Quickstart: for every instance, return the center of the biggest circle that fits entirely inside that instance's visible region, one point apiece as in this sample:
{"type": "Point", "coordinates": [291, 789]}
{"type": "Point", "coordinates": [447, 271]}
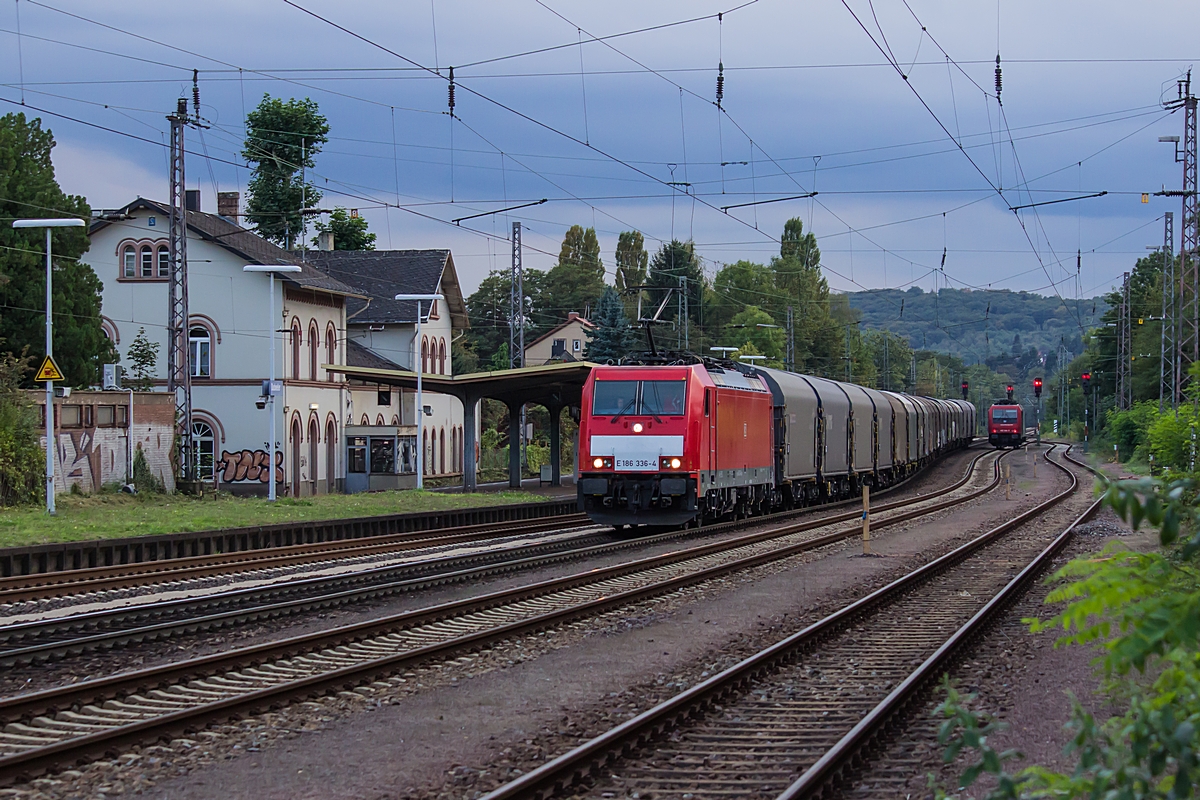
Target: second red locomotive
{"type": "Point", "coordinates": [1006, 425]}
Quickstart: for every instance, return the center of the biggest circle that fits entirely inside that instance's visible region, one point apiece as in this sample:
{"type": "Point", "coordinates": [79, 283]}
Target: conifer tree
{"type": "Point", "coordinates": [612, 339]}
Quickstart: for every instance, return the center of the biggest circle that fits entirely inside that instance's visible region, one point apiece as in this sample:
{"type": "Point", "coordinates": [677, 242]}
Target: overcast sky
{"type": "Point", "coordinates": [603, 129]}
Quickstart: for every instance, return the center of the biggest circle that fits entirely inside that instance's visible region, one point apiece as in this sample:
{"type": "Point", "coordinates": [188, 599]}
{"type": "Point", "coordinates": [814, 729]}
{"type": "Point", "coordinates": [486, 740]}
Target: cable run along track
{"type": "Point", "coordinates": [59, 636]}
{"type": "Point", "coordinates": [811, 704]}
{"type": "Point", "coordinates": [48, 729]}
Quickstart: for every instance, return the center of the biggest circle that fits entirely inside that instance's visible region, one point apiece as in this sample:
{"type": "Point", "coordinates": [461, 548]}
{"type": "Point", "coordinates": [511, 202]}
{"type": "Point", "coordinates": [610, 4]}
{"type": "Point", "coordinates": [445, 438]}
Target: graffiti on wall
{"type": "Point", "coordinates": [248, 465]}
{"type": "Point", "coordinates": [80, 459]}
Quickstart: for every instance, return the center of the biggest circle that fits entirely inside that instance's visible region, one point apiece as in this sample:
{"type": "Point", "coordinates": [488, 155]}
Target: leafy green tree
{"type": "Point", "coordinates": [577, 280]}
{"type": "Point", "coordinates": [632, 261]}
{"type": "Point", "coordinates": [742, 284]}
{"type": "Point", "coordinates": [143, 359]}
{"type": "Point", "coordinates": [756, 327]}
{"type": "Point", "coordinates": [675, 260]}
{"type": "Point", "coordinates": [22, 461]}
{"type": "Point", "coordinates": [488, 310]}
{"type": "Point", "coordinates": [28, 189]}
{"type": "Point", "coordinates": [349, 233]}
{"type": "Point", "coordinates": [612, 339]}
{"type": "Point", "coordinates": [892, 356]}
{"type": "Point", "coordinates": [819, 337]}
{"type": "Point", "coordinates": [281, 139]}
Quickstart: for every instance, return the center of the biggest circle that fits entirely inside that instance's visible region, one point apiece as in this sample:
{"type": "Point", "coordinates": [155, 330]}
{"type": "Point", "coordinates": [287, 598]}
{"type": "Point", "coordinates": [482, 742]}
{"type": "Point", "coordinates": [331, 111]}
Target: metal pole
{"type": "Point", "coordinates": [419, 368]}
{"type": "Point", "coordinates": [866, 536]}
{"type": "Point", "coordinates": [49, 384]}
{"type": "Point", "coordinates": [271, 491]}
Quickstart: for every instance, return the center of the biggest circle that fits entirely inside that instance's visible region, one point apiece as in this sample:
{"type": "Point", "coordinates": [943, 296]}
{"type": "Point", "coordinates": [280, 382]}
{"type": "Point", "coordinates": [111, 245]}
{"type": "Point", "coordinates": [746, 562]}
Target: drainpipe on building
{"type": "Point", "coordinates": [129, 438]}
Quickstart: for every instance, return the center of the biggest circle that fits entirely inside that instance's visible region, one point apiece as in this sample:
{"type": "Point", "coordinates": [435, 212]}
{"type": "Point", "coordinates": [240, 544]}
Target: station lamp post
{"type": "Point", "coordinates": [70, 222]}
{"type": "Point", "coordinates": [432, 298]}
{"type": "Point", "coordinates": [270, 389]}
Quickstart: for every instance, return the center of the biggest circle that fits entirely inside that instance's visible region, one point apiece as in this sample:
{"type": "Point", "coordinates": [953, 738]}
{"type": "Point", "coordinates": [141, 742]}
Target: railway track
{"type": "Point", "coordinates": [57, 637]}
{"type": "Point", "coordinates": [43, 730]}
{"type": "Point", "coordinates": [45, 585]}
{"type": "Point", "coordinates": [793, 719]}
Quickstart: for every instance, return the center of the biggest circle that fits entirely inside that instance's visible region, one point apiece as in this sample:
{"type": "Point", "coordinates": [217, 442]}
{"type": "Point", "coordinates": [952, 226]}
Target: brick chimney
{"type": "Point", "coordinates": [572, 315]}
{"type": "Point", "coordinates": [325, 240]}
{"type": "Point", "coordinates": [228, 204]}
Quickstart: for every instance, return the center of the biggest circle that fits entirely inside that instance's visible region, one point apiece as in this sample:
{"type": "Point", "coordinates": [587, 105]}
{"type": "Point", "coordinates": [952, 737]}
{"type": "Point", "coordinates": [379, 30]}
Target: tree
{"type": "Point", "coordinates": [28, 189]}
{"type": "Point", "coordinates": [612, 339]}
{"type": "Point", "coordinates": [22, 461]}
{"type": "Point", "coordinates": [349, 232]}
{"type": "Point", "coordinates": [820, 346]}
{"type": "Point", "coordinates": [632, 260]}
{"type": "Point", "coordinates": [577, 281]}
{"type": "Point", "coordinates": [488, 310]}
{"type": "Point", "coordinates": [739, 285]}
{"type": "Point", "coordinates": [282, 138]}
{"type": "Point", "coordinates": [143, 357]}
{"type": "Point", "coordinates": [768, 340]}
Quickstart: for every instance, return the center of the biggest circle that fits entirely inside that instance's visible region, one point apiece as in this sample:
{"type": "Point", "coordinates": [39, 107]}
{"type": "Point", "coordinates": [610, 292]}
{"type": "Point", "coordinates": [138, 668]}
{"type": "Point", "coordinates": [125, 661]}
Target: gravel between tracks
{"type": "Point", "coordinates": [1019, 677]}
{"type": "Point", "coordinates": [453, 729]}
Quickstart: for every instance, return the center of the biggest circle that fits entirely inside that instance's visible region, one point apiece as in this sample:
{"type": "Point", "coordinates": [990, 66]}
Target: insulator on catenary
{"type": "Point", "coordinates": [998, 78]}
{"type": "Point", "coordinates": [720, 83]}
{"type": "Point", "coordinates": [196, 91]}
{"type": "Point", "coordinates": [450, 95]}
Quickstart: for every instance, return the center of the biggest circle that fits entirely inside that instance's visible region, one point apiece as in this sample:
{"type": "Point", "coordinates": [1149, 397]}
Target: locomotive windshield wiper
{"type": "Point", "coordinates": [622, 412]}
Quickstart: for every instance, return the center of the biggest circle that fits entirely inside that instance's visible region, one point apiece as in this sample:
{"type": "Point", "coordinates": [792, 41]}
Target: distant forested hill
{"type": "Point", "coordinates": [977, 325]}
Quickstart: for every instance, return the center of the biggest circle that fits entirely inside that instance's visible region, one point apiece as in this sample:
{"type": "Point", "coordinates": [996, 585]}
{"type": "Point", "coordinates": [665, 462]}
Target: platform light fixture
{"type": "Point", "coordinates": [68, 222]}
{"type": "Point", "coordinates": [419, 298]}
{"type": "Point", "coordinates": [271, 387]}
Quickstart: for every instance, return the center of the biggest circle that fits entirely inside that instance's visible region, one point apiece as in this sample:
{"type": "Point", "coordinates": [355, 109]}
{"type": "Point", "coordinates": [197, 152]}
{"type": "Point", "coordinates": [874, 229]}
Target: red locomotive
{"type": "Point", "coordinates": [701, 440]}
{"type": "Point", "coordinates": [1006, 424]}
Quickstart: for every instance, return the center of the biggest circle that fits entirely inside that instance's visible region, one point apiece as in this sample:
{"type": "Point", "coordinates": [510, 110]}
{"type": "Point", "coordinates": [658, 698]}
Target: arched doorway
{"type": "Point", "coordinates": [330, 456]}
{"type": "Point", "coordinates": [294, 478]}
{"type": "Point", "coordinates": [313, 439]}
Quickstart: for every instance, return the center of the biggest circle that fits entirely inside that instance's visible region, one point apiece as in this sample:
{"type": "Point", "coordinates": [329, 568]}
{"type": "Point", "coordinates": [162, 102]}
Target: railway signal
{"type": "Point", "coordinates": [1037, 387]}
{"type": "Point", "coordinates": [965, 389]}
{"type": "Point", "coordinates": [1086, 380]}
{"type": "Point", "coordinates": [1009, 389]}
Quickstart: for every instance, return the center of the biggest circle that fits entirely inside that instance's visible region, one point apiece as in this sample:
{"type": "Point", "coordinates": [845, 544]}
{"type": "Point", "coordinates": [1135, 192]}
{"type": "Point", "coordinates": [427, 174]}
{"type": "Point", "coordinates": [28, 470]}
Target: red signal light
{"type": "Point", "coordinates": [1037, 387]}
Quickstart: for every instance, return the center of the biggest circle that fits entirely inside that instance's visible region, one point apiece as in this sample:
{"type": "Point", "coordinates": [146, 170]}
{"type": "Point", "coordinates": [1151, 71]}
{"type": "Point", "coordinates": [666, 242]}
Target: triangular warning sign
{"type": "Point", "coordinates": [49, 371]}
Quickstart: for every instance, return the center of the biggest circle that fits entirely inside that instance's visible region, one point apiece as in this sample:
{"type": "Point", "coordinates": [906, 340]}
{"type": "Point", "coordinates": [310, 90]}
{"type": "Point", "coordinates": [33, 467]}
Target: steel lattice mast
{"type": "Point", "coordinates": [1168, 379]}
{"type": "Point", "coordinates": [1124, 351]}
{"type": "Point", "coordinates": [1189, 258]}
{"type": "Point", "coordinates": [179, 376]}
{"type": "Point", "coordinates": [516, 304]}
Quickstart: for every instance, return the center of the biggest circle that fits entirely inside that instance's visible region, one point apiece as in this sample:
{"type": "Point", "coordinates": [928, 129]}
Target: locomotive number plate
{"type": "Point", "coordinates": [637, 463]}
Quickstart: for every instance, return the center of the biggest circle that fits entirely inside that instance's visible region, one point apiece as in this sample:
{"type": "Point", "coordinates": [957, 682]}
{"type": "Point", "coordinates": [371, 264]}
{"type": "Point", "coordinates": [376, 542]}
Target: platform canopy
{"type": "Point", "coordinates": [555, 386]}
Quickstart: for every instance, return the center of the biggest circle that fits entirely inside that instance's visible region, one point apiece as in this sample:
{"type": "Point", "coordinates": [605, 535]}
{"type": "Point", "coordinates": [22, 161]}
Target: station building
{"type": "Point", "coordinates": [337, 311]}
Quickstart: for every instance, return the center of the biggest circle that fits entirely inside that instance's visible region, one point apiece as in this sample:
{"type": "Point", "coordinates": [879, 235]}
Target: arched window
{"type": "Point", "coordinates": [297, 337]}
{"type": "Point", "coordinates": [296, 442]}
{"type": "Point", "coordinates": [146, 253]}
{"type": "Point", "coordinates": [203, 449]}
{"type": "Point", "coordinates": [330, 349]}
{"type": "Point", "coordinates": [442, 450]}
{"type": "Point", "coordinates": [442, 357]}
{"type": "Point", "coordinates": [424, 452]}
{"type": "Point", "coordinates": [424, 354]}
{"type": "Point", "coordinates": [454, 449]}
{"type": "Point", "coordinates": [314, 436]}
{"type": "Point", "coordinates": [395, 420]}
{"type": "Point", "coordinates": [200, 352]}
{"type": "Point", "coordinates": [365, 420]}
{"type": "Point", "coordinates": [331, 449]}
{"type": "Point", "coordinates": [379, 419]}
{"type": "Point", "coordinates": [314, 342]}
{"type": "Point", "coordinates": [164, 262]}
{"type": "Point", "coordinates": [129, 261]}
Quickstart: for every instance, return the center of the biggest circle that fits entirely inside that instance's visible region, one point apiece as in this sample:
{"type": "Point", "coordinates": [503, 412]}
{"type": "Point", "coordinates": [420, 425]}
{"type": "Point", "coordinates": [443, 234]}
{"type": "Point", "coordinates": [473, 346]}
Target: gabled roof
{"type": "Point", "coordinates": [359, 355]}
{"type": "Point", "coordinates": [383, 274]}
{"type": "Point", "coordinates": [587, 325]}
{"type": "Point", "coordinates": [247, 245]}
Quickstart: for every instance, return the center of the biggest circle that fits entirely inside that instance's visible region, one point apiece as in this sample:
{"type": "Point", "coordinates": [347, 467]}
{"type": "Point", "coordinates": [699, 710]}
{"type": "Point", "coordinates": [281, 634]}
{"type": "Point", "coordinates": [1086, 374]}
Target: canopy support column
{"type": "Point", "coordinates": [555, 408]}
{"type": "Point", "coordinates": [470, 461]}
{"type": "Point", "coordinates": [514, 445]}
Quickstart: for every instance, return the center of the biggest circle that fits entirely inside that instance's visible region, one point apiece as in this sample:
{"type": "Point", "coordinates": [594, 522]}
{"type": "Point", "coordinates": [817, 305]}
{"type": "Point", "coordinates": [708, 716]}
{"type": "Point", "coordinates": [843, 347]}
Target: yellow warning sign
{"type": "Point", "coordinates": [49, 371]}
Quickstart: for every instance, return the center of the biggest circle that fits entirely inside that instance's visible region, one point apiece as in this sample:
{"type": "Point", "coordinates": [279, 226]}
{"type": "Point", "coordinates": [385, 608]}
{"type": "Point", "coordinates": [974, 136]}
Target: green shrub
{"type": "Point", "coordinates": [22, 460]}
{"type": "Point", "coordinates": [143, 478]}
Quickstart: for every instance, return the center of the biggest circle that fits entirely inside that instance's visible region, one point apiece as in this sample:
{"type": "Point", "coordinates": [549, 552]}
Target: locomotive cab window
{"type": "Point", "coordinates": [663, 398]}
{"type": "Point", "coordinates": [1004, 415]}
{"type": "Point", "coordinates": [610, 398]}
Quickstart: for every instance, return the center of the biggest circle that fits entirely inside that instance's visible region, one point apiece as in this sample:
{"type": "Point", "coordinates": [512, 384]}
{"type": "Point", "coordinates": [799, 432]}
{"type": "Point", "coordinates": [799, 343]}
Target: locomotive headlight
{"type": "Point", "coordinates": [637, 427]}
{"type": "Point", "coordinates": [675, 462]}
{"type": "Point", "coordinates": [598, 463]}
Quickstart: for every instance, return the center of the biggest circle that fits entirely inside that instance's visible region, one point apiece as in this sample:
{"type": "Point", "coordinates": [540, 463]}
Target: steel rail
{"type": "Point", "coordinates": [57, 636]}
{"type": "Point", "coordinates": [590, 758]}
{"type": "Point", "coordinates": [260, 663]}
{"type": "Point", "coordinates": [48, 585]}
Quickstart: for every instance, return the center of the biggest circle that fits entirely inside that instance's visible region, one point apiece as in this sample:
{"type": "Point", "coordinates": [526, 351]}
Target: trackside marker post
{"type": "Point", "coordinates": [1007, 482]}
{"type": "Point", "coordinates": [866, 518]}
